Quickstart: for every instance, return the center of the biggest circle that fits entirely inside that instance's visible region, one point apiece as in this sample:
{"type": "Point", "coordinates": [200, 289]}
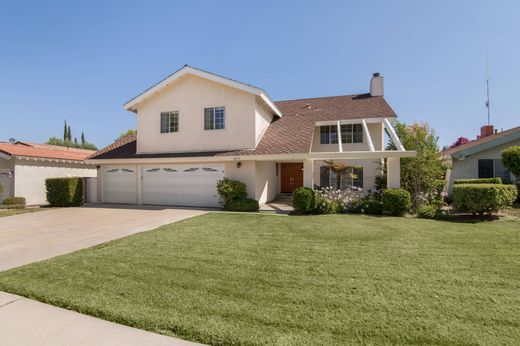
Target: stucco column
{"type": "Point", "coordinates": [393, 174]}
{"type": "Point", "coordinates": [308, 173]}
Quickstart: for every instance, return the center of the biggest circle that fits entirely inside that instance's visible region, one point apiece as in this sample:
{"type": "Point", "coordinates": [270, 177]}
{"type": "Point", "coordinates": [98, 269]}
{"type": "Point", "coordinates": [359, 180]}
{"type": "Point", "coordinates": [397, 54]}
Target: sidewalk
{"type": "Point", "coordinates": [28, 322]}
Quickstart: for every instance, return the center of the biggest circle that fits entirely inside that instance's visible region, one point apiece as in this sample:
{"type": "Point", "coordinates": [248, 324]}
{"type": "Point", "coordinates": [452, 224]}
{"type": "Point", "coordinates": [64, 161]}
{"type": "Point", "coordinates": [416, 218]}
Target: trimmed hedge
{"type": "Point", "coordinates": [12, 206]}
{"type": "Point", "coordinates": [64, 192]}
{"type": "Point", "coordinates": [14, 201]}
{"type": "Point", "coordinates": [483, 198]}
{"type": "Point", "coordinates": [304, 200]}
{"type": "Point", "coordinates": [478, 181]}
{"type": "Point", "coordinates": [396, 202]}
{"type": "Point", "coordinates": [245, 204]}
{"type": "Point", "coordinates": [429, 211]}
{"type": "Point", "coordinates": [368, 206]}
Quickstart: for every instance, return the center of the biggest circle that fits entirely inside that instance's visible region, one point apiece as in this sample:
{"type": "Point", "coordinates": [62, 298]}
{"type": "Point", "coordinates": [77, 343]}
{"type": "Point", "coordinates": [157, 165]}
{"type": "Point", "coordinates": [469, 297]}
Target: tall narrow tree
{"type": "Point", "coordinates": [65, 131]}
{"type": "Point", "coordinates": [82, 138]}
{"type": "Point", "coordinates": [69, 134]}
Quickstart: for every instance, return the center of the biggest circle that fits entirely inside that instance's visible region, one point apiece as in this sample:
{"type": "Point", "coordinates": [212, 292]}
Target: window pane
{"type": "Point", "coordinates": [343, 133]}
{"type": "Point", "coordinates": [219, 118]}
{"type": "Point", "coordinates": [349, 134]}
{"type": "Point", "coordinates": [324, 176]}
{"type": "Point", "coordinates": [174, 121]}
{"type": "Point", "coordinates": [164, 122]}
{"type": "Point", "coordinates": [357, 136]}
{"type": "Point", "coordinates": [485, 168]}
{"type": "Point", "coordinates": [333, 134]}
{"type": "Point", "coordinates": [209, 119]}
{"type": "Point", "coordinates": [324, 135]}
{"type": "Point", "coordinates": [358, 178]}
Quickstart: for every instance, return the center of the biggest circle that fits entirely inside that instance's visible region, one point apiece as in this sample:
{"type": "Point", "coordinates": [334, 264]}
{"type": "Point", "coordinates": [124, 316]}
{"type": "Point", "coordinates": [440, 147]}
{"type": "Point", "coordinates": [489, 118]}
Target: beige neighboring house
{"type": "Point", "coordinates": [195, 128]}
{"type": "Point", "coordinates": [481, 158]}
{"type": "Point", "coordinates": [24, 166]}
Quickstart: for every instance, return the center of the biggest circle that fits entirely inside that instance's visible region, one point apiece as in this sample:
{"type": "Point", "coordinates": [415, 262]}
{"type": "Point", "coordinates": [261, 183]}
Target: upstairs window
{"type": "Point", "coordinates": [350, 133]}
{"type": "Point", "coordinates": [329, 134]}
{"type": "Point", "coordinates": [169, 122]}
{"type": "Point", "coordinates": [214, 118]}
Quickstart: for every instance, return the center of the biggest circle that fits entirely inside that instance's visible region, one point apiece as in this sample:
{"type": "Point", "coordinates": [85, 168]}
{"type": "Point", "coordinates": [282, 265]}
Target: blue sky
{"type": "Point", "coordinates": [81, 60]}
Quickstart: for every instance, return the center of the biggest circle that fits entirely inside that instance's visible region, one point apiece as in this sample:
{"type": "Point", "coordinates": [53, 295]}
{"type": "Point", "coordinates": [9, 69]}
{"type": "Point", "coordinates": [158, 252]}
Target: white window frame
{"type": "Point", "coordinates": [172, 127]}
{"type": "Point", "coordinates": [212, 125]}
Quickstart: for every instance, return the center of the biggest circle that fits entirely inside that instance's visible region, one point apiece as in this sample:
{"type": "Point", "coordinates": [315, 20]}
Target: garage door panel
{"type": "Point", "coordinates": [183, 185]}
{"type": "Point", "coordinates": [119, 185]}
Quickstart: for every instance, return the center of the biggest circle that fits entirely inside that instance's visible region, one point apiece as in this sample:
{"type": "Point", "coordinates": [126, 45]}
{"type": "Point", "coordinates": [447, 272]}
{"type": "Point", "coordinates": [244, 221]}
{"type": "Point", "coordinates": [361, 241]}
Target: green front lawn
{"type": "Point", "coordinates": [227, 278]}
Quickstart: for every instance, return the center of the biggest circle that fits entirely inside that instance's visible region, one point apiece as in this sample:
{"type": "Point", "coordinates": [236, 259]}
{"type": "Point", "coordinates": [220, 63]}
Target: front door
{"type": "Point", "coordinates": [291, 176]}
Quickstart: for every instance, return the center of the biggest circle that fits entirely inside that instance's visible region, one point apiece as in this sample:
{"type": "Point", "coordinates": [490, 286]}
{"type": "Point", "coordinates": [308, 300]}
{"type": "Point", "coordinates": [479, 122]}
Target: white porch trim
{"type": "Point", "coordinates": [393, 135]}
{"type": "Point", "coordinates": [367, 135]}
{"type": "Point", "coordinates": [340, 145]}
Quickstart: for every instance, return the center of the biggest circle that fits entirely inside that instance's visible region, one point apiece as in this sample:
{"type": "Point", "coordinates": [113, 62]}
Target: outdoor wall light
{"type": "Point", "coordinates": [239, 164]}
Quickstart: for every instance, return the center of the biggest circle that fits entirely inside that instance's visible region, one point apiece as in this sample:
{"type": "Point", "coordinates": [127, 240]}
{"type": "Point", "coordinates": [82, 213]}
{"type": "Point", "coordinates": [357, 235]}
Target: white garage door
{"type": "Point", "coordinates": [119, 185]}
{"type": "Point", "coordinates": [183, 185]}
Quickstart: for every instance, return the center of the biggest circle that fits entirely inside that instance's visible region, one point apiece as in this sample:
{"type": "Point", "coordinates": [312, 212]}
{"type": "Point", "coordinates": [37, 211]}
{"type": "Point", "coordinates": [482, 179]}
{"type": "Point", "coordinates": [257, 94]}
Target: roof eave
{"type": "Point", "coordinates": [462, 153]}
{"type": "Point", "coordinates": [131, 104]}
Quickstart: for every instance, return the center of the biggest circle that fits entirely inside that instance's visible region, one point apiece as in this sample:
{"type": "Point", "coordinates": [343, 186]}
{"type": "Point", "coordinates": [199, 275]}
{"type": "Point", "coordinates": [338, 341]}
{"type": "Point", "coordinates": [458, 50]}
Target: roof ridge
{"type": "Point", "coordinates": [323, 97]}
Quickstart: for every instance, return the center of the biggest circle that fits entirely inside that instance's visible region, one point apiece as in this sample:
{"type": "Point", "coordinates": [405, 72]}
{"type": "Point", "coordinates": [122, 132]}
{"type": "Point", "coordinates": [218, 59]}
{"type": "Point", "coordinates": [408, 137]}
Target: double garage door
{"type": "Point", "coordinates": [181, 185]}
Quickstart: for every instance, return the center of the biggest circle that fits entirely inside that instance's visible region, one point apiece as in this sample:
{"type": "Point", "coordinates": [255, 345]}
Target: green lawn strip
{"type": "Point", "coordinates": [11, 212]}
{"type": "Point", "coordinates": [265, 279]}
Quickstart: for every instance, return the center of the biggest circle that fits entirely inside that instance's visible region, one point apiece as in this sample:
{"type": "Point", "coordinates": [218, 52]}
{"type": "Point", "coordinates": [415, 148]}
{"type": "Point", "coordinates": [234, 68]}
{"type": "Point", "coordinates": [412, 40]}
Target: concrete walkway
{"type": "Point", "coordinates": [28, 322]}
{"type": "Point", "coordinates": [41, 235]}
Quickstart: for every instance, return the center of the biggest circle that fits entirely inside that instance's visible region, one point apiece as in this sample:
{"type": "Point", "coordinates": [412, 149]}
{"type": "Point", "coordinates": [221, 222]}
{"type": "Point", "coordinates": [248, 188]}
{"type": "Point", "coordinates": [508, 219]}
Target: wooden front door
{"type": "Point", "coordinates": [291, 176]}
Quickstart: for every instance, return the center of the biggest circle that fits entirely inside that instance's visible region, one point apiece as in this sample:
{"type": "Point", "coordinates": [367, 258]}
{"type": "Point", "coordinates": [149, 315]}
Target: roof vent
{"type": "Point", "coordinates": [307, 106]}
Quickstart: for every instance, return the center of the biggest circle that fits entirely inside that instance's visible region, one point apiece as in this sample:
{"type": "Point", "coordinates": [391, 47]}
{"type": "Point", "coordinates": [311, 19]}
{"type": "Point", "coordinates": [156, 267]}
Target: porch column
{"type": "Point", "coordinates": [308, 173]}
{"type": "Point", "coordinates": [393, 174]}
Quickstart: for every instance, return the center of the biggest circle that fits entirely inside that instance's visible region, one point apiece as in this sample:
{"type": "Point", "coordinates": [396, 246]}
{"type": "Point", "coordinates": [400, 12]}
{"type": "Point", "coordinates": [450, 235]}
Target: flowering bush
{"type": "Point", "coordinates": [331, 200]}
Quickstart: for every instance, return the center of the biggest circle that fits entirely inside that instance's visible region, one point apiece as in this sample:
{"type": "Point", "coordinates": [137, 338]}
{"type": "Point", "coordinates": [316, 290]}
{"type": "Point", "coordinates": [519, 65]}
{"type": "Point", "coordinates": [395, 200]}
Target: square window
{"type": "Point", "coordinates": [329, 134]}
{"type": "Point", "coordinates": [214, 118]}
{"type": "Point", "coordinates": [169, 122]}
{"type": "Point", "coordinates": [485, 168]}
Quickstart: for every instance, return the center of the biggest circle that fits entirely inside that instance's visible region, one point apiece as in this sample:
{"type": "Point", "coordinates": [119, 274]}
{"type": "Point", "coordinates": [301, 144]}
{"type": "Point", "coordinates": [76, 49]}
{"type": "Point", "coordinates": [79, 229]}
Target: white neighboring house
{"type": "Point", "coordinates": [196, 127]}
{"type": "Point", "coordinates": [24, 167]}
{"type": "Point", "coordinates": [481, 158]}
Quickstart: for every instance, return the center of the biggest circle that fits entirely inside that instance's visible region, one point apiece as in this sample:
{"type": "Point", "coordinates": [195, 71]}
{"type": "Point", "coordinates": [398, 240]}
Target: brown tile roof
{"type": "Point", "coordinates": [293, 133]}
{"type": "Point", "coordinates": [473, 143]}
{"type": "Point", "coordinates": [55, 147]}
{"type": "Point", "coordinates": [32, 151]}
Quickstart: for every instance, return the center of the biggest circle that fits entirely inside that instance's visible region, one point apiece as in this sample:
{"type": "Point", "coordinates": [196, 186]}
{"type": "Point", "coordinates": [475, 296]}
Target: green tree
{"type": "Point", "coordinates": [511, 160]}
{"type": "Point", "coordinates": [420, 174]}
{"type": "Point", "coordinates": [128, 132]}
{"type": "Point", "coordinates": [69, 134]}
{"type": "Point", "coordinates": [65, 131]}
{"type": "Point", "coordinates": [82, 138]}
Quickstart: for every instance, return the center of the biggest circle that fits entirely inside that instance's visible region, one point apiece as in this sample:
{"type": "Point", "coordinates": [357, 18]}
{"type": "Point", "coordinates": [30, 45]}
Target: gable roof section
{"type": "Point", "coordinates": [482, 144]}
{"type": "Point", "coordinates": [290, 134]}
{"type": "Point", "coordinates": [24, 150]}
{"type": "Point", "coordinates": [131, 105]}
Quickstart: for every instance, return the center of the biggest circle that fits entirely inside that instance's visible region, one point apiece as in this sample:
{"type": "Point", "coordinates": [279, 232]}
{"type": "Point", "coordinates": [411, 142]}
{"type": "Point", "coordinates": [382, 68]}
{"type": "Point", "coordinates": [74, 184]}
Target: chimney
{"type": "Point", "coordinates": [486, 130]}
{"type": "Point", "coordinates": [377, 85]}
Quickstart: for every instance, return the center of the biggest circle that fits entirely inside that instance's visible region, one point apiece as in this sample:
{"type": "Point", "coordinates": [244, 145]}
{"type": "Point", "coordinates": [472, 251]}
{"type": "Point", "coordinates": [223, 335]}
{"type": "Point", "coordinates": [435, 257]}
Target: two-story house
{"type": "Point", "coordinates": [196, 127]}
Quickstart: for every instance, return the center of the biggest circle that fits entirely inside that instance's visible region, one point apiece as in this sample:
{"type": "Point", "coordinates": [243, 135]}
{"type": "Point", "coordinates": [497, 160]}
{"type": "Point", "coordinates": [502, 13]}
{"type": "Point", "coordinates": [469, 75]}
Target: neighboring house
{"type": "Point", "coordinates": [196, 127]}
{"type": "Point", "coordinates": [24, 166]}
{"type": "Point", "coordinates": [481, 158]}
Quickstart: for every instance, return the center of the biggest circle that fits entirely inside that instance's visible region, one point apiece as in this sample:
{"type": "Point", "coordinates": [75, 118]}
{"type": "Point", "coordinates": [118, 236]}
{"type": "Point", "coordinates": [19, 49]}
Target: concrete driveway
{"type": "Point", "coordinates": [41, 235]}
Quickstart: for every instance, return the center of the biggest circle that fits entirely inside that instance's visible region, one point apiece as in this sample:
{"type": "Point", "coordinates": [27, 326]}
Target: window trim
{"type": "Point", "coordinates": [170, 114]}
{"type": "Point", "coordinates": [213, 120]}
{"type": "Point", "coordinates": [329, 134]}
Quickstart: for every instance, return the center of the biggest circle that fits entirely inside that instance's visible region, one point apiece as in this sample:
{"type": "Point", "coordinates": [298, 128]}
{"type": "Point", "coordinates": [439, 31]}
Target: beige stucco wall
{"type": "Point", "coordinates": [267, 181]}
{"type": "Point", "coordinates": [371, 169]}
{"type": "Point", "coordinates": [29, 177]}
{"type": "Point", "coordinates": [468, 168]}
{"type": "Point", "coordinates": [376, 133]}
{"type": "Point", "coordinates": [244, 118]}
{"type": "Point", "coordinates": [263, 118]}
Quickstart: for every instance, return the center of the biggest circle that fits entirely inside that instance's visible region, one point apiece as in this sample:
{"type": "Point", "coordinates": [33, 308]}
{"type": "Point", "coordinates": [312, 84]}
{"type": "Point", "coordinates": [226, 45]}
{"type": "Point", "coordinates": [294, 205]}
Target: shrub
{"type": "Point", "coordinates": [14, 201]}
{"type": "Point", "coordinates": [64, 192]}
{"type": "Point", "coordinates": [478, 181]}
{"type": "Point", "coordinates": [429, 211]}
{"type": "Point", "coordinates": [369, 206]}
{"type": "Point", "coordinates": [304, 199]}
{"type": "Point", "coordinates": [396, 202]}
{"type": "Point", "coordinates": [231, 190]}
{"type": "Point", "coordinates": [327, 206]}
{"type": "Point", "coordinates": [245, 204]}
{"type": "Point", "coordinates": [483, 198]}
{"type": "Point", "coordinates": [1, 189]}
{"type": "Point", "coordinates": [511, 160]}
